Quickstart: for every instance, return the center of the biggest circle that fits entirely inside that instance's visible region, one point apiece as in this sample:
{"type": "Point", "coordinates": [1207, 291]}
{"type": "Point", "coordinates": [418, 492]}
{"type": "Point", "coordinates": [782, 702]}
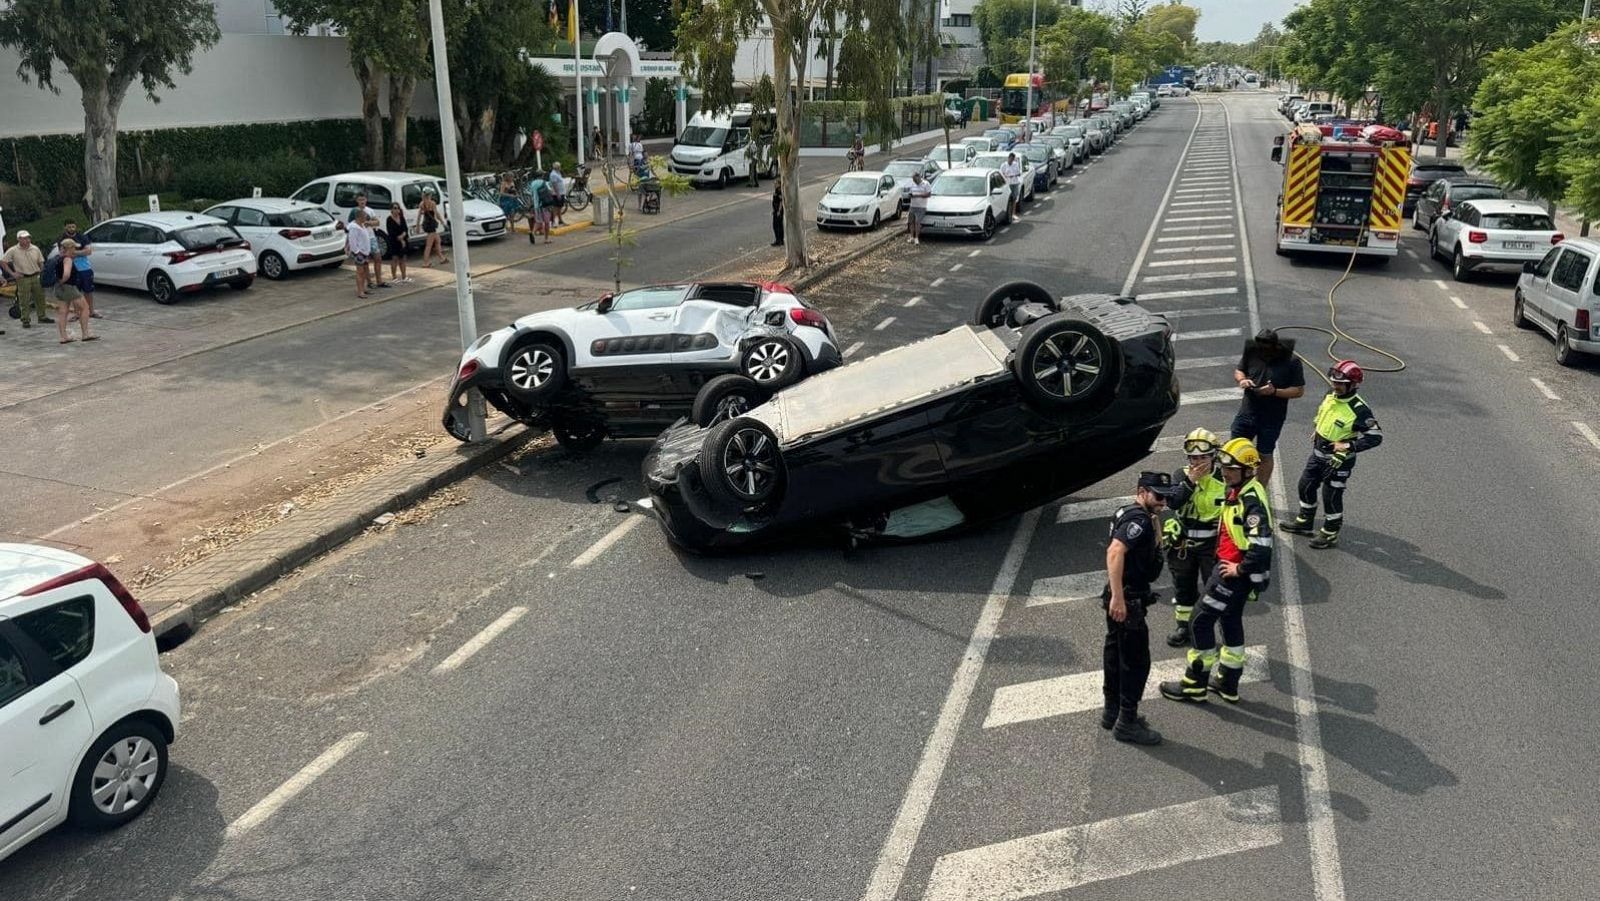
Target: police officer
{"type": "Point", "coordinates": [1192, 533]}
{"type": "Point", "coordinates": [1345, 427]}
{"type": "Point", "coordinates": [1133, 560]}
{"type": "Point", "coordinates": [1244, 566]}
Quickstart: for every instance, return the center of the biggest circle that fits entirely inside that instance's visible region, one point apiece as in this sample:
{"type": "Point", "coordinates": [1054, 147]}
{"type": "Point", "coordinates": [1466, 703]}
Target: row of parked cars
{"type": "Point", "coordinates": [169, 254]}
{"type": "Point", "coordinates": [970, 196]}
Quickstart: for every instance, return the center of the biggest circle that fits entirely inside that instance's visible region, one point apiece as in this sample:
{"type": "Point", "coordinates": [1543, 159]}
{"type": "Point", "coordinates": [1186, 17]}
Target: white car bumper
{"type": "Point", "coordinates": [484, 229]}
{"type": "Point", "coordinates": [853, 219]}
{"type": "Point", "coordinates": [953, 223]}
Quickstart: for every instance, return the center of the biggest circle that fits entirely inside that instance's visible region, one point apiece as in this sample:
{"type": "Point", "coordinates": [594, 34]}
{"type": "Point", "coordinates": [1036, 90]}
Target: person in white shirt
{"type": "Point", "coordinates": [636, 152]}
{"type": "Point", "coordinates": [1012, 170]}
{"type": "Point", "coordinates": [558, 187]}
{"type": "Point", "coordinates": [920, 190]}
{"type": "Point", "coordinates": [358, 241]}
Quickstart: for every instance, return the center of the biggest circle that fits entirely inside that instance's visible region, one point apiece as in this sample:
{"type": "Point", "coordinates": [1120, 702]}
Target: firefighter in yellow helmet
{"type": "Point", "coordinates": [1244, 566]}
{"type": "Point", "coordinates": [1192, 532]}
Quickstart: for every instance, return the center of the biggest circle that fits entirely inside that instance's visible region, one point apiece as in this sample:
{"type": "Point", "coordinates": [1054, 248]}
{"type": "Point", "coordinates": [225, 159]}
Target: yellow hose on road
{"type": "Point", "coordinates": [1336, 334]}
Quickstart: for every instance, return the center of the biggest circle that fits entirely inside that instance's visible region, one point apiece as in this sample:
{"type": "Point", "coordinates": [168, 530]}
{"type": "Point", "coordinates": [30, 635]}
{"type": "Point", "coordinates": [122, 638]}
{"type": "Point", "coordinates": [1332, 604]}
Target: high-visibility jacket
{"type": "Point", "coordinates": [1346, 418]}
{"type": "Point", "coordinates": [1247, 517]}
{"type": "Point", "coordinates": [1199, 504]}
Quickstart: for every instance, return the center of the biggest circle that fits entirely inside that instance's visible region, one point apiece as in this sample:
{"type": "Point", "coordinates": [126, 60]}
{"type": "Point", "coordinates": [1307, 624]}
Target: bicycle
{"type": "Point", "coordinates": [577, 196]}
{"type": "Point", "coordinates": [855, 162]}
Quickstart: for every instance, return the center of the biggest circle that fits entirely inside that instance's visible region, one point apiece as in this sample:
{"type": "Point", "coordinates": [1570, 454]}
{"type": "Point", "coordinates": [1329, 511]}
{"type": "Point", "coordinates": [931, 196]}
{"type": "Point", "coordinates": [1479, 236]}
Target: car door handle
{"type": "Point", "coordinates": [55, 711]}
{"type": "Point", "coordinates": [660, 317]}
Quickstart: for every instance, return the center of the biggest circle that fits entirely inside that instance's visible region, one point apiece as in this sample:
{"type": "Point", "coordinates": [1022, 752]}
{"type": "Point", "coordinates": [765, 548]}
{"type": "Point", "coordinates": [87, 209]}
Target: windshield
{"type": "Point", "coordinates": [989, 162]}
{"type": "Point", "coordinates": [961, 186]}
{"type": "Point", "coordinates": [1015, 100]}
{"type": "Point", "coordinates": [852, 185]}
{"type": "Point", "coordinates": [1522, 222]}
{"type": "Point", "coordinates": [903, 168]}
{"type": "Point", "coordinates": [1073, 131]}
{"type": "Point", "coordinates": [949, 155]}
{"type": "Point", "coordinates": [703, 136]}
{"type": "Point", "coordinates": [1035, 152]}
{"type": "Point", "coordinates": [198, 236]}
{"type": "Point", "coordinates": [299, 219]}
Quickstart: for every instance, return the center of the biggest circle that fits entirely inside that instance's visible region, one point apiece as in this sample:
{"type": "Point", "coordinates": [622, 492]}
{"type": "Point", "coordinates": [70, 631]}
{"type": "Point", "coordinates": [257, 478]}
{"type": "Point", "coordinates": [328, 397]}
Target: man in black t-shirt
{"type": "Point", "coordinates": [1271, 376]}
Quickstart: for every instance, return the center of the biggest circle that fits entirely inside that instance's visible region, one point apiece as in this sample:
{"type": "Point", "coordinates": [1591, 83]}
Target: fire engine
{"type": "Point", "coordinates": [1343, 189]}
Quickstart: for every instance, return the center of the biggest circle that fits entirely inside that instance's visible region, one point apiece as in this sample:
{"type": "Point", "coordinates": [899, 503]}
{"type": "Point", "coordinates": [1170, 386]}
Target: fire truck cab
{"type": "Point", "coordinates": [1343, 188]}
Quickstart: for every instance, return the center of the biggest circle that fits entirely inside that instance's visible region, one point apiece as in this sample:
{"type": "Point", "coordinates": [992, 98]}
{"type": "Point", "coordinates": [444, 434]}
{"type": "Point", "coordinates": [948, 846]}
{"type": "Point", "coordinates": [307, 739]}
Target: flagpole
{"type": "Point", "coordinates": [577, 72]}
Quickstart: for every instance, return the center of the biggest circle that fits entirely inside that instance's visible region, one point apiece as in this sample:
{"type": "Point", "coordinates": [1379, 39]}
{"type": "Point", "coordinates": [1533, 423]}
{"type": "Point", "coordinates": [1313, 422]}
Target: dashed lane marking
{"type": "Point", "coordinates": [936, 282]}
{"type": "Point", "coordinates": [853, 348]}
{"type": "Point", "coordinates": [916, 299]}
{"type": "Point", "coordinates": [1588, 434]}
{"type": "Point", "coordinates": [1195, 228]}
{"type": "Point", "coordinates": [1544, 389]}
{"type": "Point", "coordinates": [887, 321]}
{"type": "Point", "coordinates": [1481, 327]}
{"type": "Point", "coordinates": [1202, 363]}
{"type": "Point", "coordinates": [1460, 304]}
{"type": "Point", "coordinates": [957, 267]}
{"type": "Point", "coordinates": [1510, 354]}
{"type": "Point", "coordinates": [975, 252]}
{"type": "Point", "coordinates": [1062, 859]}
{"type": "Point", "coordinates": [1215, 248]}
{"type": "Point", "coordinates": [1439, 282]}
{"type": "Point", "coordinates": [1040, 699]}
{"type": "Point", "coordinates": [1207, 333]}
{"type": "Point", "coordinates": [607, 540]}
{"type": "Point", "coordinates": [480, 641]}
{"type": "Point", "coordinates": [1197, 261]}
{"type": "Point", "coordinates": [299, 782]}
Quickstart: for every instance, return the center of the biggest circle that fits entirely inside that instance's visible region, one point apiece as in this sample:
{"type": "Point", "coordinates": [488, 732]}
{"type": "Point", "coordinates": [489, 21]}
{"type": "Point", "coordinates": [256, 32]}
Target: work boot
{"type": "Point", "coordinates": [1300, 525]}
{"type": "Point", "coordinates": [1108, 717]}
{"type": "Point", "coordinates": [1325, 539]}
{"type": "Point", "coordinates": [1133, 729]}
{"type": "Point", "coordinates": [1179, 637]}
{"type": "Point", "coordinates": [1191, 688]}
{"type": "Point", "coordinates": [1226, 683]}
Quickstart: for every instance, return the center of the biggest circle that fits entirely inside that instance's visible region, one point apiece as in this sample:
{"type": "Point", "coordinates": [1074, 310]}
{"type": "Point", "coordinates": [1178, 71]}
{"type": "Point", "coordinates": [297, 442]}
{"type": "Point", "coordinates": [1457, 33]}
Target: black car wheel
{"type": "Point", "coordinates": [578, 435]}
{"type": "Point", "coordinates": [741, 465]}
{"type": "Point", "coordinates": [1458, 267]}
{"type": "Point", "coordinates": [772, 170]}
{"type": "Point", "coordinates": [725, 397]}
{"type": "Point", "coordinates": [535, 371]}
{"type": "Point", "coordinates": [1566, 354]}
{"type": "Point", "coordinates": [1064, 362]}
{"type": "Point", "coordinates": [272, 265]}
{"type": "Point", "coordinates": [120, 776]}
{"type": "Point", "coordinates": [772, 362]}
{"type": "Point", "coordinates": [988, 224]}
{"type": "Point", "coordinates": [1433, 244]}
{"type": "Point", "coordinates": [1519, 315]}
{"type": "Point", "coordinates": [995, 310]}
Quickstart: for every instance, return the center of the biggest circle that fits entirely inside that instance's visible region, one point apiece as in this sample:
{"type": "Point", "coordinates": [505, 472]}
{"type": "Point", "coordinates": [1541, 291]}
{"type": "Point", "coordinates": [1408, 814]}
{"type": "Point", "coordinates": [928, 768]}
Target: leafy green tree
{"type": "Point", "coordinates": [105, 46]}
{"type": "Point", "coordinates": [650, 22]}
{"type": "Point", "coordinates": [1333, 45]}
{"type": "Point", "coordinates": [1067, 46]}
{"type": "Point", "coordinates": [1175, 19]}
{"type": "Point", "coordinates": [495, 92]}
{"type": "Point", "coordinates": [1003, 27]}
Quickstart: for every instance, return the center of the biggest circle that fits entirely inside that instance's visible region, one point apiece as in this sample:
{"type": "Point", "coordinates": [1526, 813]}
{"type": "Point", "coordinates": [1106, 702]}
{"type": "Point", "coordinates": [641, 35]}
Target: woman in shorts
{"type": "Point", "coordinates": [68, 297]}
{"type": "Point", "coordinates": [358, 241]}
{"type": "Point", "coordinates": [399, 235]}
{"type": "Point", "coordinates": [428, 217]}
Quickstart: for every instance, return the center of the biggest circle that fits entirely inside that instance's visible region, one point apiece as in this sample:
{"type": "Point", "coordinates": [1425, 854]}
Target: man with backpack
{"type": "Point", "coordinates": [543, 202]}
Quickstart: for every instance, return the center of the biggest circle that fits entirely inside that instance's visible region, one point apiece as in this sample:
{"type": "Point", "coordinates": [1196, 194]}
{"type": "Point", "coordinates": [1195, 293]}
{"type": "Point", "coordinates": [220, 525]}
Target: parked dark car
{"type": "Point", "coordinates": [1036, 399]}
{"type": "Point", "coordinates": [1424, 172]}
{"type": "Point", "coordinates": [1446, 192]}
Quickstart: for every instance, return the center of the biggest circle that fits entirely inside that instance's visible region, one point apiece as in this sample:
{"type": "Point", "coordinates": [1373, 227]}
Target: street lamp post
{"type": "Point", "coordinates": [458, 212]}
{"type": "Point", "coordinates": [1033, 34]}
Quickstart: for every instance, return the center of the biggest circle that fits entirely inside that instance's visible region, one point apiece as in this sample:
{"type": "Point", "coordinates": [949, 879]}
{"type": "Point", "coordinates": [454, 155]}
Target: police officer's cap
{"type": "Point", "coordinates": [1158, 483]}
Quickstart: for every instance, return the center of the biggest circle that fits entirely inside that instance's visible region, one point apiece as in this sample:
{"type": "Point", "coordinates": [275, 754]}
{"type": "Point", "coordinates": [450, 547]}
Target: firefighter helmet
{"type": "Point", "coordinates": [1240, 452]}
{"type": "Point", "coordinates": [1346, 371]}
{"type": "Point", "coordinates": [1200, 441]}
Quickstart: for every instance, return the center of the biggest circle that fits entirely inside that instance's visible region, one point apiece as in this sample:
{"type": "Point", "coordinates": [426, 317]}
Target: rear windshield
{"type": "Point", "coordinates": [961, 186]}
{"type": "Point", "coordinates": [1522, 222]}
{"type": "Point", "coordinates": [299, 219]}
{"type": "Point", "coordinates": [1034, 152]}
{"type": "Point", "coordinates": [1477, 192]}
{"type": "Point", "coordinates": [198, 236]}
{"type": "Point", "coordinates": [903, 169]}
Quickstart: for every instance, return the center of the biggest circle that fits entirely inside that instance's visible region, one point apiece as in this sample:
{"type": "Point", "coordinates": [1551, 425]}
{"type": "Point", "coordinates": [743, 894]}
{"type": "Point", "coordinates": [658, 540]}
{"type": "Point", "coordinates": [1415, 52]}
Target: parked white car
{"type": "Point", "coordinates": [86, 714]}
{"type": "Point", "coordinates": [168, 254]}
{"type": "Point", "coordinates": [979, 144]}
{"type": "Point", "coordinates": [952, 156]}
{"type": "Point", "coordinates": [860, 200]}
{"type": "Point", "coordinates": [1492, 234]}
{"type": "Point", "coordinates": [1559, 295]}
{"type": "Point", "coordinates": [336, 194]}
{"type": "Point", "coordinates": [968, 201]}
{"type": "Point", "coordinates": [997, 158]}
{"type": "Point", "coordinates": [286, 235]}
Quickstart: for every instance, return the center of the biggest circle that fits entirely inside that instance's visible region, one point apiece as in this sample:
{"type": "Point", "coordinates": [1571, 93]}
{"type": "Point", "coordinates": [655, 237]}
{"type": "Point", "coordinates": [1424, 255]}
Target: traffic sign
{"type": "Point", "coordinates": [538, 139]}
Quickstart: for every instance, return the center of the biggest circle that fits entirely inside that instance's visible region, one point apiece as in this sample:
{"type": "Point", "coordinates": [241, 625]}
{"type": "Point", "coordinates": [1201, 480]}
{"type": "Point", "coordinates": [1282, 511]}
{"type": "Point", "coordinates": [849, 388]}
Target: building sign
{"type": "Point", "coordinates": [651, 68]}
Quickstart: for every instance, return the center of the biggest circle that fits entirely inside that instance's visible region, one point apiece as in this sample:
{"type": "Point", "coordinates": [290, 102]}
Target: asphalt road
{"type": "Point", "coordinates": [530, 695]}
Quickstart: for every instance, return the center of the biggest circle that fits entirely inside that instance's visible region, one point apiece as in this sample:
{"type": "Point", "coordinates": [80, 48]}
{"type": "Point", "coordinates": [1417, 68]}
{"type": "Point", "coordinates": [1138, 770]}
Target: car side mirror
{"type": "Point", "coordinates": [1277, 154]}
{"type": "Point", "coordinates": [1277, 141]}
{"type": "Point", "coordinates": [606, 301]}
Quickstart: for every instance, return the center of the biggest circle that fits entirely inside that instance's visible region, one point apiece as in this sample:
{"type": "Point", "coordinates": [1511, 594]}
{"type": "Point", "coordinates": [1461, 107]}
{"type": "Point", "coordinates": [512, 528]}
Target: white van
{"type": "Point", "coordinates": [713, 147]}
{"type": "Point", "coordinates": [336, 194]}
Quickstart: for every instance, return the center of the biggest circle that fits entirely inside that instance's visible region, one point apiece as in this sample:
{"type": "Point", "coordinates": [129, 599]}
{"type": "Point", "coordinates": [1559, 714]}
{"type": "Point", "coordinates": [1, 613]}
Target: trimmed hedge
{"type": "Point", "coordinates": [277, 175]}
{"type": "Point", "coordinates": [152, 161]}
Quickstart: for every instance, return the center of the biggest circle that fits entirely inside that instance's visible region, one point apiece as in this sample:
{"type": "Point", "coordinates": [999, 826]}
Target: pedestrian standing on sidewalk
{"type": "Point", "coordinates": [558, 193]}
{"type": "Point", "coordinates": [358, 241]}
{"type": "Point", "coordinates": [920, 191]}
{"type": "Point", "coordinates": [428, 216]}
{"type": "Point", "coordinates": [1012, 170]}
{"type": "Point", "coordinates": [86, 282]}
{"type": "Point", "coordinates": [69, 299]}
{"type": "Point", "coordinates": [1271, 376]}
{"type": "Point", "coordinates": [375, 275]}
{"type": "Point", "coordinates": [543, 200]}
{"type": "Point", "coordinates": [1133, 561]}
{"type": "Point", "coordinates": [23, 262]}
{"type": "Point", "coordinates": [399, 235]}
{"type": "Point", "coordinates": [597, 144]}
{"type": "Point", "coordinates": [777, 211]}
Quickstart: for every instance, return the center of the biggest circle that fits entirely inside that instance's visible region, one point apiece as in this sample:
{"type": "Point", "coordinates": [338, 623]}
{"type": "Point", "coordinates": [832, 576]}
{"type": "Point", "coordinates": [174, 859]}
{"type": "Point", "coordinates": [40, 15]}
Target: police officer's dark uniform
{"type": "Point", "coordinates": [1127, 645]}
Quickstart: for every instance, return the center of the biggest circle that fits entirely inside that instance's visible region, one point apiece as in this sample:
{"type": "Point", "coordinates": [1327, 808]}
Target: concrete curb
{"type": "Point", "coordinates": [190, 596]}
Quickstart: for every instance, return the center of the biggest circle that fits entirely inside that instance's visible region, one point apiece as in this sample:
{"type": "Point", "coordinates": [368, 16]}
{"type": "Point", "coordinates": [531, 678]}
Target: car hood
{"type": "Point", "coordinates": [684, 154]}
{"type": "Point", "coordinates": [850, 201]}
{"type": "Point", "coordinates": [568, 319]}
{"type": "Point", "coordinates": [950, 204]}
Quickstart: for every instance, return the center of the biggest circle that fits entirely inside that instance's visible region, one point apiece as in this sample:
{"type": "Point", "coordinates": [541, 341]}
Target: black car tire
{"type": "Point", "coordinates": [272, 265]}
{"type": "Point", "coordinates": [1094, 363]}
{"type": "Point", "coordinates": [741, 465]}
{"type": "Point", "coordinates": [578, 435]}
{"type": "Point", "coordinates": [773, 362]}
{"type": "Point", "coordinates": [724, 177]}
{"type": "Point", "coordinates": [772, 170]}
{"type": "Point", "coordinates": [1433, 244]}
{"type": "Point", "coordinates": [162, 288]}
{"type": "Point", "coordinates": [1519, 316]}
{"type": "Point", "coordinates": [725, 397]}
{"type": "Point", "coordinates": [988, 224]}
{"type": "Point", "coordinates": [877, 219]}
{"type": "Point", "coordinates": [144, 737]}
{"type": "Point", "coordinates": [535, 371]}
{"type": "Point", "coordinates": [1458, 267]}
{"type": "Point", "coordinates": [994, 311]}
{"type": "Point", "coordinates": [1566, 354]}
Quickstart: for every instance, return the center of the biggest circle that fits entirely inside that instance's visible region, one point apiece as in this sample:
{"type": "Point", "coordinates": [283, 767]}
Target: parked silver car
{"type": "Point", "coordinates": [1491, 235]}
{"type": "Point", "coordinates": [1558, 294]}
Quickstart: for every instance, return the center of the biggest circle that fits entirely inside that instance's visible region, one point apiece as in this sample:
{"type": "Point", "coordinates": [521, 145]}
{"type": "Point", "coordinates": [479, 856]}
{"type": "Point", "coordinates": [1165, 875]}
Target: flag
{"type": "Point", "coordinates": [572, 22]}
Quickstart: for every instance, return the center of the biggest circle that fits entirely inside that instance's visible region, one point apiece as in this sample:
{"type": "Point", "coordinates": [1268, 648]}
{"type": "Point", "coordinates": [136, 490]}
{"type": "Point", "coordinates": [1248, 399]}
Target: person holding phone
{"type": "Point", "coordinates": [1270, 375]}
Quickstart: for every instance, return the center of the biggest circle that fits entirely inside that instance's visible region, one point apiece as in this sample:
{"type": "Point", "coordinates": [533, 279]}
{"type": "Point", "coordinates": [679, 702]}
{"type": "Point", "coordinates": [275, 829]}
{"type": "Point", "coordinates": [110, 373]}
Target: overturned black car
{"type": "Point", "coordinates": [1036, 399]}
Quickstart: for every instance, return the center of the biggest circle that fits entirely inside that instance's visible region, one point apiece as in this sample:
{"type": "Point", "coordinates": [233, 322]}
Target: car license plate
{"type": "Point", "coordinates": [226, 273]}
{"type": "Point", "coordinates": [322, 233]}
{"type": "Point", "coordinates": [494, 226]}
{"type": "Point", "coordinates": [1519, 245]}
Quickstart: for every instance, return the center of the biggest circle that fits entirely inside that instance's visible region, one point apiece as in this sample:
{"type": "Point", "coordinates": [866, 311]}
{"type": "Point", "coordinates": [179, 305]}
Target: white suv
{"type": "Point", "coordinates": [1491, 234]}
{"type": "Point", "coordinates": [169, 254]}
{"type": "Point", "coordinates": [86, 713]}
{"type": "Point", "coordinates": [1559, 294]}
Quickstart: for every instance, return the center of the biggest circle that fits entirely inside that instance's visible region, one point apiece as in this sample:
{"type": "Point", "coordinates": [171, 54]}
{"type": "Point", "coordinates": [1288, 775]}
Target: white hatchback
{"type": "Point", "coordinates": [286, 235]}
{"type": "Point", "coordinates": [169, 254]}
{"type": "Point", "coordinates": [860, 200]}
{"type": "Point", "coordinates": [86, 714]}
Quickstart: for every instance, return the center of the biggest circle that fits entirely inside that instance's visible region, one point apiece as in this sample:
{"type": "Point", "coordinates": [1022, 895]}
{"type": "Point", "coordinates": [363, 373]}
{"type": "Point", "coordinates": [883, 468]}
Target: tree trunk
{"type": "Point", "coordinates": [832, 47]}
{"type": "Point", "coordinates": [371, 115]}
{"type": "Point", "coordinates": [1441, 115]}
{"type": "Point", "coordinates": [100, 198]}
{"type": "Point", "coordinates": [788, 146]}
{"type": "Point", "coordinates": [402, 88]}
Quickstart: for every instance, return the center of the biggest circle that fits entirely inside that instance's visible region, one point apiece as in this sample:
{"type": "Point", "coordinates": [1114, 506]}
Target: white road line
{"type": "Point", "coordinates": [916, 299]}
{"type": "Point", "coordinates": [1063, 859]}
{"type": "Point", "coordinates": [1441, 285]}
{"type": "Point", "coordinates": [477, 643]}
{"type": "Point", "coordinates": [1544, 389]}
{"type": "Point", "coordinates": [1510, 354]}
{"type": "Point", "coordinates": [1203, 204]}
{"type": "Point", "coordinates": [1167, 444]}
{"type": "Point", "coordinates": [607, 540]}
{"type": "Point", "coordinates": [853, 348]}
{"type": "Point", "coordinates": [1210, 248]}
{"type": "Point", "coordinates": [1195, 238]}
{"type": "Point", "coordinates": [1187, 276]}
{"type": "Point", "coordinates": [1201, 311]}
{"type": "Point", "coordinates": [957, 267]}
{"type": "Point", "coordinates": [1425, 267]}
{"type": "Point", "coordinates": [1481, 327]}
{"type": "Point", "coordinates": [887, 321]}
{"type": "Point", "coordinates": [936, 282]}
{"type": "Point", "coordinates": [1206, 180]}
{"type": "Point", "coordinates": [1064, 589]}
{"type": "Point", "coordinates": [1203, 362]}
{"type": "Point", "coordinates": [1411, 253]}
{"type": "Point", "coordinates": [1327, 870]}
{"type": "Point", "coordinates": [1206, 169]}
{"type": "Point", "coordinates": [1195, 228]}
{"type": "Point", "coordinates": [1040, 699]}
{"type": "Point", "coordinates": [975, 252]}
{"type": "Point", "coordinates": [1197, 261]}
{"type": "Point", "coordinates": [1099, 508]}
{"type": "Point", "coordinates": [1210, 396]}
{"type": "Point", "coordinates": [1199, 218]}
{"type": "Point", "coordinates": [1460, 305]}
{"type": "Point", "coordinates": [296, 784]}
{"type": "Point", "coordinates": [1207, 333]}
{"type": "Point", "coordinates": [1155, 221]}
{"type": "Point", "coordinates": [1587, 433]}
{"type": "Point", "coordinates": [913, 813]}
{"type": "Point", "coordinates": [1219, 190]}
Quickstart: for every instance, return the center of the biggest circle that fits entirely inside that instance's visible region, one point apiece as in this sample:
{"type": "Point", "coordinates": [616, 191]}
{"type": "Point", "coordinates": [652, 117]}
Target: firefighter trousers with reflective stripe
{"type": "Point", "coordinates": [1320, 472]}
{"type": "Point", "coordinates": [1223, 603]}
{"type": "Point", "coordinates": [1127, 657]}
{"type": "Point", "coordinates": [1190, 566]}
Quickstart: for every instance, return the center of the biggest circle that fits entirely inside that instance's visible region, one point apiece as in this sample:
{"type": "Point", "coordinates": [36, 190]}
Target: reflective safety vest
{"type": "Point", "coordinates": [1336, 416]}
{"type": "Point", "coordinates": [1233, 513]}
{"type": "Point", "coordinates": [1203, 508]}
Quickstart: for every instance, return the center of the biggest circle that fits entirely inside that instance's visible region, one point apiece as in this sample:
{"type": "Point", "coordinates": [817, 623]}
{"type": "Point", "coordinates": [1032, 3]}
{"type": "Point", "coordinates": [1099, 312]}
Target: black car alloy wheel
{"type": "Point", "coordinates": [750, 462]}
{"type": "Point", "coordinates": [1067, 365]}
{"type": "Point", "coordinates": [725, 397]}
{"type": "Point", "coordinates": [996, 310]}
{"type": "Point", "coordinates": [1064, 362]}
